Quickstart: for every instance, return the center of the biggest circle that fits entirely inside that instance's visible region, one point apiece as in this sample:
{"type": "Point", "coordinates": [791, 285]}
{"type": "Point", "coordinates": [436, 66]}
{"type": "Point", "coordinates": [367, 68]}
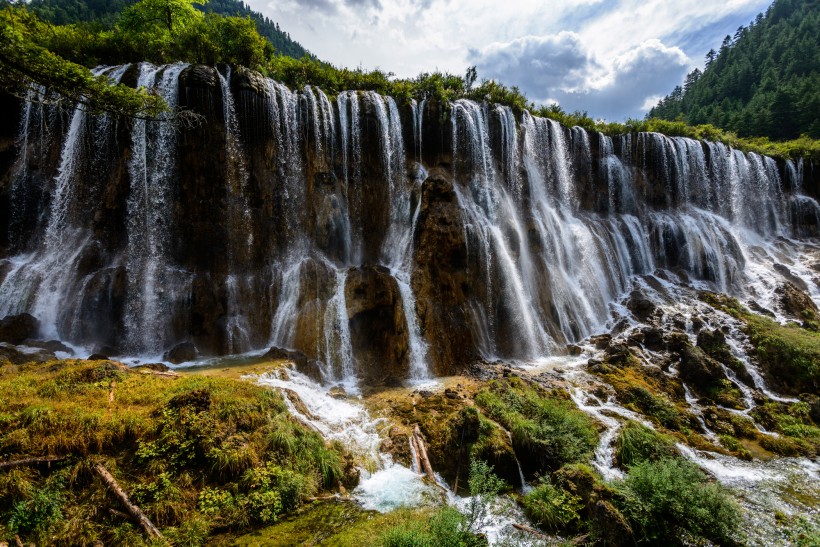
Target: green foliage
{"type": "Point", "coordinates": [665, 497]}
{"type": "Point", "coordinates": [447, 526]}
{"type": "Point", "coordinates": [546, 428]}
{"type": "Point", "coordinates": [164, 31]}
{"type": "Point", "coordinates": [482, 481]}
{"type": "Point", "coordinates": [552, 508]}
{"type": "Point", "coordinates": [789, 353]}
{"type": "Point", "coordinates": [26, 62]}
{"type": "Point", "coordinates": [764, 82]}
{"type": "Point", "coordinates": [105, 13]}
{"type": "Point", "coordinates": [35, 513]}
{"type": "Point", "coordinates": [196, 453]}
{"type": "Point", "coordinates": [637, 443]}
{"type": "Point", "coordinates": [484, 488]}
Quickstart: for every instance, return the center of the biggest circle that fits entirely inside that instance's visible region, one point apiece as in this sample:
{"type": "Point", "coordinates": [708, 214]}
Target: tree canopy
{"type": "Point", "coordinates": [24, 63]}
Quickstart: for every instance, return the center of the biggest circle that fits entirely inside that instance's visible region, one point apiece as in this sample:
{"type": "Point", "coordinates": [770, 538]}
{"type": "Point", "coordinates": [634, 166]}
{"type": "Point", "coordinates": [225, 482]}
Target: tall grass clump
{"type": "Point", "coordinates": [637, 443]}
{"type": "Point", "coordinates": [548, 430]}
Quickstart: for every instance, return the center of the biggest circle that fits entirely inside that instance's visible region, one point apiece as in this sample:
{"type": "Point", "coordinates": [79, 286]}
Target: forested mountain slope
{"type": "Point", "coordinates": [105, 12]}
{"type": "Point", "coordinates": [764, 80]}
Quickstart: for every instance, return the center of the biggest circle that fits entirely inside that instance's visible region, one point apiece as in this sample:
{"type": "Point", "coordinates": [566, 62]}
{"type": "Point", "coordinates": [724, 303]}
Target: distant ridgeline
{"type": "Point", "coordinates": [105, 12]}
{"type": "Point", "coordinates": [764, 81]}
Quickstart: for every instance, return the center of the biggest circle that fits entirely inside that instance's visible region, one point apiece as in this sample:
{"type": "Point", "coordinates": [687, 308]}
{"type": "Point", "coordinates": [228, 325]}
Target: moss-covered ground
{"type": "Point", "coordinates": [199, 454]}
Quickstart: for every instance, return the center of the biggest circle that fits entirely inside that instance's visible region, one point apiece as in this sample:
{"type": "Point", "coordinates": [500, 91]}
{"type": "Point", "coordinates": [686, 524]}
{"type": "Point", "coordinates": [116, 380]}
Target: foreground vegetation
{"type": "Point", "coordinates": [164, 31]}
{"type": "Point", "coordinates": [198, 455]}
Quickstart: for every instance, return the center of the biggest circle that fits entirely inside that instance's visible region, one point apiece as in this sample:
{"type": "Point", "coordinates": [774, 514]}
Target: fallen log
{"type": "Point", "coordinates": [132, 509]}
{"type": "Point", "coordinates": [428, 469]}
{"type": "Point", "coordinates": [414, 450]}
{"type": "Point", "coordinates": [31, 461]}
{"type": "Point", "coordinates": [332, 497]}
{"type": "Point", "coordinates": [164, 374]}
{"type": "Point", "coordinates": [529, 530]}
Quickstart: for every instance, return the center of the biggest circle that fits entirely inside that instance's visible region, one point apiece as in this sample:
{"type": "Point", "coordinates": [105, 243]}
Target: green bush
{"type": "Point", "coordinates": [446, 527]}
{"type": "Point", "coordinates": [663, 498]}
{"type": "Point", "coordinates": [548, 430]}
{"type": "Point", "coordinates": [552, 508]}
{"type": "Point", "coordinates": [36, 513]}
{"type": "Point", "coordinates": [637, 443]}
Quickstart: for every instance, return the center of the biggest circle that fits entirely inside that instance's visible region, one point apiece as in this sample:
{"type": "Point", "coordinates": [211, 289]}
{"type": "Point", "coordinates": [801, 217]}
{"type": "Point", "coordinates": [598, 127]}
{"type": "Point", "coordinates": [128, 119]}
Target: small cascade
{"type": "Point", "coordinates": [384, 485]}
{"type": "Point", "coordinates": [338, 348]}
{"type": "Point", "coordinates": [283, 324]}
{"type": "Point", "coordinates": [239, 213]}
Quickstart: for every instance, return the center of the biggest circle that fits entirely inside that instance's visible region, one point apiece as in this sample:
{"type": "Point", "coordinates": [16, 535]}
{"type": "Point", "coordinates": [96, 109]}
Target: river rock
{"type": "Point", "coordinates": [797, 303]}
{"type": "Point", "coordinates": [304, 364]}
{"type": "Point", "coordinates": [698, 369]}
{"type": "Point", "coordinates": [640, 306]}
{"type": "Point", "coordinates": [713, 343]}
{"type": "Point", "coordinates": [52, 346]}
{"type": "Point", "coordinates": [181, 353]}
{"type": "Point", "coordinates": [16, 328]}
{"type": "Point", "coordinates": [16, 356]}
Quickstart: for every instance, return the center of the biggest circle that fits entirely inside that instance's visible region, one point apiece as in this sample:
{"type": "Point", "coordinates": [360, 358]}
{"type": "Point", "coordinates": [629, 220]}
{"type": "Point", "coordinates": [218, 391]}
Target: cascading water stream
{"type": "Point", "coordinates": [546, 260]}
{"type": "Point", "coordinates": [151, 283]}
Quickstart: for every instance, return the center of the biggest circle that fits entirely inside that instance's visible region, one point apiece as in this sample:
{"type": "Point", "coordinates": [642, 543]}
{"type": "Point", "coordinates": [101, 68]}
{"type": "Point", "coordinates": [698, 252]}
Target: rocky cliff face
{"type": "Point", "coordinates": [385, 241]}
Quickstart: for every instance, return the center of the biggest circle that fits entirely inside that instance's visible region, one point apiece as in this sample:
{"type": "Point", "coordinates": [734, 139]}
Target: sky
{"type": "Point", "coordinates": [611, 58]}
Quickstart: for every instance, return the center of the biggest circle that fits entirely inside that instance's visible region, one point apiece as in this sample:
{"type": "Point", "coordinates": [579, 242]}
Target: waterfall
{"type": "Point", "coordinates": [151, 283]}
{"type": "Point", "coordinates": [536, 231]}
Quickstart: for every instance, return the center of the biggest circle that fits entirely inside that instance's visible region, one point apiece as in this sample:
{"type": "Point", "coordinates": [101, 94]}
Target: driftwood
{"type": "Point", "coordinates": [425, 462]}
{"type": "Point", "coordinates": [31, 461]}
{"type": "Point", "coordinates": [529, 530]}
{"type": "Point", "coordinates": [415, 453]}
{"type": "Point", "coordinates": [524, 528]}
{"type": "Point", "coordinates": [331, 497]}
{"type": "Point", "coordinates": [160, 373]}
{"type": "Point", "coordinates": [133, 510]}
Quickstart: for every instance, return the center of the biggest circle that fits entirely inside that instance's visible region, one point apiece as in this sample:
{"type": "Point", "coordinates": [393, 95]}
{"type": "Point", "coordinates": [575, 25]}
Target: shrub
{"type": "Point", "coordinates": [446, 527]}
{"type": "Point", "coordinates": [548, 431]}
{"type": "Point", "coordinates": [665, 497]}
{"type": "Point", "coordinates": [552, 508]}
{"type": "Point", "coordinates": [36, 513]}
{"type": "Point", "coordinates": [637, 443]}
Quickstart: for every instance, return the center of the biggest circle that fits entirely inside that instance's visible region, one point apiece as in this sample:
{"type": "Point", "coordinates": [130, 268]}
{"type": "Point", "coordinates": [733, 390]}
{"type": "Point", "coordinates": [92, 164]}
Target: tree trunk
{"type": "Point", "coordinates": [31, 461]}
{"type": "Point", "coordinates": [428, 469]}
{"type": "Point", "coordinates": [132, 509]}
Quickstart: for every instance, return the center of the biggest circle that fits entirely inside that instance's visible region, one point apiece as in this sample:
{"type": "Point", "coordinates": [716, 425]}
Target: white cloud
{"type": "Point", "coordinates": [594, 55]}
{"type": "Point", "coordinates": [562, 67]}
{"type": "Point", "coordinates": [538, 64]}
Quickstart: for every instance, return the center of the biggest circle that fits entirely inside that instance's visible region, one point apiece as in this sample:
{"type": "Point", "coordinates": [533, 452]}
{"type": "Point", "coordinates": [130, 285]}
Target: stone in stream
{"type": "Point", "coordinates": [14, 329]}
{"type": "Point", "coordinates": [181, 353]}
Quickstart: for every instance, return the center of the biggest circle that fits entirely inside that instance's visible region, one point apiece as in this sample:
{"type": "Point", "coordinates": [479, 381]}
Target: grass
{"type": "Point", "coordinates": [548, 430]}
{"type": "Point", "coordinates": [637, 443]}
{"type": "Point", "coordinates": [551, 508]}
{"type": "Point", "coordinates": [198, 454]}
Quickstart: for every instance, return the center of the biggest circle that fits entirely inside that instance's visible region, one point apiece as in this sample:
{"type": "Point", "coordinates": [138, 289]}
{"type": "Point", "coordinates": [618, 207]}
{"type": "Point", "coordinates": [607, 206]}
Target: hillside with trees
{"type": "Point", "coordinates": [105, 13]}
{"type": "Point", "coordinates": [763, 81]}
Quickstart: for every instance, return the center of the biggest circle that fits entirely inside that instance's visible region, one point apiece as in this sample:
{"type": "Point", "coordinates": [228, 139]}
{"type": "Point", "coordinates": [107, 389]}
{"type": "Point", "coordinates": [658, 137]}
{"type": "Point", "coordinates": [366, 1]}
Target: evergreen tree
{"type": "Point", "coordinates": [764, 82]}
